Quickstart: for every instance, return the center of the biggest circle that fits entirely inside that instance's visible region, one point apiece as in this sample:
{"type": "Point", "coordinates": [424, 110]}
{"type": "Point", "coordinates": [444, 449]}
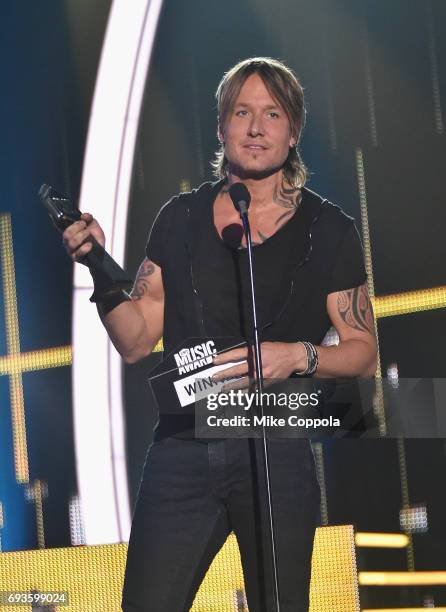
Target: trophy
{"type": "Point", "coordinates": [107, 274]}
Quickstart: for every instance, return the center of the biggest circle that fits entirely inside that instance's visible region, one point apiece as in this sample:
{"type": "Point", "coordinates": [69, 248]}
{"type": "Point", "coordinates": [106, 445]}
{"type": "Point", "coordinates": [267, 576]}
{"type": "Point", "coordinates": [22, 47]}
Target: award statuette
{"type": "Point", "coordinates": [182, 382]}
{"type": "Point", "coordinates": [184, 376]}
{"type": "Point", "coordinates": [107, 274]}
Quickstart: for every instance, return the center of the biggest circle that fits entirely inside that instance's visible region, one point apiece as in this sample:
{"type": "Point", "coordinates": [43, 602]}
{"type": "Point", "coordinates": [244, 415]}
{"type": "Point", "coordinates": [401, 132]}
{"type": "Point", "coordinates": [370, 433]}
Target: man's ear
{"type": "Point", "coordinates": [220, 134]}
{"type": "Point", "coordinates": [294, 137]}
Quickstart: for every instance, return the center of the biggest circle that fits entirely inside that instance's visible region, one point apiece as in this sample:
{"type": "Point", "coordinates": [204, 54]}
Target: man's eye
{"type": "Point", "coordinates": [241, 113]}
{"type": "Point", "coordinates": [273, 115]}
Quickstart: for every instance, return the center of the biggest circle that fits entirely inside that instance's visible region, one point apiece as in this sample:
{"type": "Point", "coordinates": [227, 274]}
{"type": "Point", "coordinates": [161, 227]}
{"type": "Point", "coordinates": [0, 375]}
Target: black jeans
{"type": "Point", "coordinates": [193, 494]}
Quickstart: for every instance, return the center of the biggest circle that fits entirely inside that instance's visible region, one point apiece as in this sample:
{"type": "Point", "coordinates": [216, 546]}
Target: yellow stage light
{"type": "Point", "coordinates": [93, 575]}
{"type": "Point", "coordinates": [401, 609]}
{"type": "Point", "coordinates": [401, 578]}
{"type": "Point", "coordinates": [13, 348]}
{"type": "Point", "coordinates": [54, 357]}
{"type": "Point", "coordinates": [410, 301]}
{"type": "Point", "coordinates": [381, 540]}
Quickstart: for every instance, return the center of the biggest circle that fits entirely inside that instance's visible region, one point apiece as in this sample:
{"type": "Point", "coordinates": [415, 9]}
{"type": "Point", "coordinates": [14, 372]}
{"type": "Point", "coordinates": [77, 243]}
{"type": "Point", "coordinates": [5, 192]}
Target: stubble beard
{"type": "Point", "coordinates": [252, 173]}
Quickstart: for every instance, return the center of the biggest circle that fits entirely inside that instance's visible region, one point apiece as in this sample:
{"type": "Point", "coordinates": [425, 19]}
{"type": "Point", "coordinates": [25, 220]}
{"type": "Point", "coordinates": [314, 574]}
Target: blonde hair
{"type": "Point", "coordinates": [285, 88]}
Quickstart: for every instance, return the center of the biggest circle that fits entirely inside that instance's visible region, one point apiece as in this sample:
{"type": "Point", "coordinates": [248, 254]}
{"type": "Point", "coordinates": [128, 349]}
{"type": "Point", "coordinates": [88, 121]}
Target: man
{"type": "Point", "coordinates": [194, 283]}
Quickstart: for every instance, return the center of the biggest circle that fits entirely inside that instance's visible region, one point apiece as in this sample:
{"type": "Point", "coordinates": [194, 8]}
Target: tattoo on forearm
{"type": "Point", "coordinates": [355, 308]}
{"type": "Point", "coordinates": [141, 285]}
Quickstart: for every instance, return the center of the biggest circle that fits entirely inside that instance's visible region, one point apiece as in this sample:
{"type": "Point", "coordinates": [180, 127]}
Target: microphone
{"type": "Point", "coordinates": [240, 196]}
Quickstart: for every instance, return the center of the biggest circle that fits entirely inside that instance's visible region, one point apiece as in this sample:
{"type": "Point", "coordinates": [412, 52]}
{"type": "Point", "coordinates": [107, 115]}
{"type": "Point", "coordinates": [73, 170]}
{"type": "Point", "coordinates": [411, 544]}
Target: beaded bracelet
{"type": "Point", "coordinates": [312, 359]}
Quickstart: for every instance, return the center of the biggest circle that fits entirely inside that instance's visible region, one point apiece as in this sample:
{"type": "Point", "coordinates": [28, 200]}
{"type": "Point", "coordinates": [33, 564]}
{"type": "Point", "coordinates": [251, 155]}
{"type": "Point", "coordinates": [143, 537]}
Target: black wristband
{"type": "Point", "coordinates": [109, 301]}
{"type": "Point", "coordinates": [102, 284]}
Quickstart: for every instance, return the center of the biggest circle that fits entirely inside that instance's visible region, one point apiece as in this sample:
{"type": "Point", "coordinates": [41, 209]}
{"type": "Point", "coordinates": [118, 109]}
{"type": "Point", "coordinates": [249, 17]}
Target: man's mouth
{"type": "Point", "coordinates": [255, 147]}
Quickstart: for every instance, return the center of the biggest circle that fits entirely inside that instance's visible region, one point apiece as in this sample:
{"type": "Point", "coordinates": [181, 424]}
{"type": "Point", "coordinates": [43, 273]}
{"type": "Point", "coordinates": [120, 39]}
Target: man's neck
{"type": "Point", "coordinates": [263, 191]}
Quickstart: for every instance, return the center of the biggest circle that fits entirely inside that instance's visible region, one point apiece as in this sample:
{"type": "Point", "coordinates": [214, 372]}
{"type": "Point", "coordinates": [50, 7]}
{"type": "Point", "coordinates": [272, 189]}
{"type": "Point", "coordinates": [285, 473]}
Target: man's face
{"type": "Point", "coordinates": [257, 132]}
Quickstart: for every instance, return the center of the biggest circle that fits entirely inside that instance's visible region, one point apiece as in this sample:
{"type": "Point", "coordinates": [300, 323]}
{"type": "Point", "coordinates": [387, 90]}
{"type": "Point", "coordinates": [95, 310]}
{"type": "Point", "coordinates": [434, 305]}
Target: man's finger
{"type": "Point", "coordinates": [237, 354]}
{"type": "Point", "coordinates": [79, 239]}
{"type": "Point", "coordinates": [237, 370]}
{"type": "Point", "coordinates": [82, 251]}
{"type": "Point", "coordinates": [73, 229]}
{"type": "Point", "coordinates": [87, 217]}
{"type": "Point", "coordinates": [239, 384]}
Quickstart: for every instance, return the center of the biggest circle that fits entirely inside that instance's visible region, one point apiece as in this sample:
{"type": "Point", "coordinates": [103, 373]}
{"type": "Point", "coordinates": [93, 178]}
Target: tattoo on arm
{"type": "Point", "coordinates": [355, 308]}
{"type": "Point", "coordinates": [141, 285]}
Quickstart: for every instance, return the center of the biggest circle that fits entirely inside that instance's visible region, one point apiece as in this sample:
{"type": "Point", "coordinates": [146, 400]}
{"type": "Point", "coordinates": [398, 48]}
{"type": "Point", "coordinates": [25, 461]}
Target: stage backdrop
{"type": "Point", "coordinates": [374, 76]}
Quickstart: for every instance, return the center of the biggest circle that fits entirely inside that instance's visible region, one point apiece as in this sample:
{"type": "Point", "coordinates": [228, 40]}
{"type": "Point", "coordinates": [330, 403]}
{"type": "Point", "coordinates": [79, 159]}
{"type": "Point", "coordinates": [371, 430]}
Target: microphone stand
{"type": "Point", "coordinates": [259, 387]}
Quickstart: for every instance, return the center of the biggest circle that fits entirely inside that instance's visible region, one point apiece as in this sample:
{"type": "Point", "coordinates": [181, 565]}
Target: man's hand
{"type": "Point", "coordinates": [351, 314]}
{"type": "Point", "coordinates": [279, 360]}
{"type": "Point", "coordinates": [77, 237]}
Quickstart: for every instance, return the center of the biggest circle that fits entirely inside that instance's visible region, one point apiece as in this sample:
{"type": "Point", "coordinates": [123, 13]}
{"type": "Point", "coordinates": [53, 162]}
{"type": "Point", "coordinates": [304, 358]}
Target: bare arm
{"type": "Point", "coordinates": [351, 313]}
{"type": "Point", "coordinates": [134, 326]}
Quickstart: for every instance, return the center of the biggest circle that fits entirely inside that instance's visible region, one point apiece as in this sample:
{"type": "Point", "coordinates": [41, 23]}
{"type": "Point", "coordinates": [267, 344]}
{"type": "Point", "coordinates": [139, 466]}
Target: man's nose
{"type": "Point", "coordinates": [256, 126]}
